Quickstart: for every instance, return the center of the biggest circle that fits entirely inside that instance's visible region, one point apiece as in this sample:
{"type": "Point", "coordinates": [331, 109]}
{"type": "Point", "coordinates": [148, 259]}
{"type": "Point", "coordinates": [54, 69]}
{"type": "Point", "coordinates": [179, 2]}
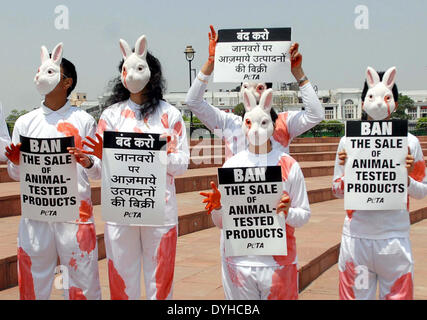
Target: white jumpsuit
{"type": "Point", "coordinates": [267, 277]}
{"type": "Point", "coordinates": [41, 243]}
{"type": "Point", "coordinates": [156, 245]}
{"type": "Point", "coordinates": [375, 245]}
{"type": "Point", "coordinates": [4, 136]}
{"type": "Point", "coordinates": [228, 126]}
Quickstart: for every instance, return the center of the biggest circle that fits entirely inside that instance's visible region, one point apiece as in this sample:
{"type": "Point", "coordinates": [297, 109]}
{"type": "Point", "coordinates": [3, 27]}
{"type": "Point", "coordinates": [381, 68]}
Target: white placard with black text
{"type": "Point", "coordinates": [48, 180]}
{"type": "Point", "coordinates": [259, 55]}
{"type": "Point", "coordinates": [375, 171]}
{"type": "Point", "coordinates": [249, 197]}
{"type": "Point", "coordinates": [133, 178]}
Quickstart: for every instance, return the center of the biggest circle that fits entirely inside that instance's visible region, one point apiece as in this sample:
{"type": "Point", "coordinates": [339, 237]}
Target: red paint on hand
{"type": "Point", "coordinates": [213, 199]}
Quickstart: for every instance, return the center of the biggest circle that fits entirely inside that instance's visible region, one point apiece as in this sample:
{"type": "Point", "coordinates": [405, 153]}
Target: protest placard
{"type": "Point", "coordinates": [133, 178]}
{"type": "Point", "coordinates": [260, 55]}
{"type": "Point", "coordinates": [48, 176]}
{"type": "Point", "coordinates": [249, 197]}
{"type": "Point", "coordinates": [375, 172]}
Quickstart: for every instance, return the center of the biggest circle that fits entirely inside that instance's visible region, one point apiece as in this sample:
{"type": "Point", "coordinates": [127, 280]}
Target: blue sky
{"type": "Point", "coordinates": [335, 52]}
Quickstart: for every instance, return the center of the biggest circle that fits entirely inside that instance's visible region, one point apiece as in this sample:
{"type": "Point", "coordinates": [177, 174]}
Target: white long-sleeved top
{"type": "Point", "coordinates": [298, 213]}
{"type": "Point", "coordinates": [67, 121]}
{"type": "Point", "coordinates": [382, 224]}
{"type": "Point", "coordinates": [165, 119]}
{"type": "Point", "coordinates": [289, 124]}
{"type": "Point", "coordinates": [4, 136]}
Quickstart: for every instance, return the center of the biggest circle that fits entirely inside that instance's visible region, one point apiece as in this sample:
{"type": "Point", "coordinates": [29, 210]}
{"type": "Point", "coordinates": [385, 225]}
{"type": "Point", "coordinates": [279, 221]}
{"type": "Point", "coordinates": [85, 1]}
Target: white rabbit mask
{"type": "Point", "coordinates": [49, 73]}
{"type": "Point", "coordinates": [379, 102]}
{"type": "Point", "coordinates": [135, 71]}
{"type": "Point", "coordinates": [257, 124]}
{"type": "Point", "coordinates": [256, 88]}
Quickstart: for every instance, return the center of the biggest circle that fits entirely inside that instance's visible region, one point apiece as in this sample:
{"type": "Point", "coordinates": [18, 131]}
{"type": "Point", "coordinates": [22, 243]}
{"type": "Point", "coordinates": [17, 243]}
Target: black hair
{"type": "Point", "coordinates": [69, 71]}
{"type": "Point", "coordinates": [155, 87]}
{"type": "Point", "coordinates": [394, 90]}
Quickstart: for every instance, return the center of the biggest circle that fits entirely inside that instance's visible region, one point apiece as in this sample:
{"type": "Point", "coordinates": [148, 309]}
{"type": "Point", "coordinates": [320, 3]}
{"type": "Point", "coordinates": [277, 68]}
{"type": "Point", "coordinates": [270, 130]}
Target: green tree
{"type": "Point", "coordinates": [404, 103]}
{"type": "Point", "coordinates": [12, 117]}
{"type": "Point", "coordinates": [239, 109]}
{"type": "Point", "coordinates": [336, 127]}
{"type": "Point", "coordinates": [422, 124]}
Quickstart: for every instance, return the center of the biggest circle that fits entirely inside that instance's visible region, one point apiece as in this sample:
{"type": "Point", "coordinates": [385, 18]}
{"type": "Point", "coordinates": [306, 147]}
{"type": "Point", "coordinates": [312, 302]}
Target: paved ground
{"type": "Point", "coordinates": [198, 274]}
{"type": "Point", "coordinates": [326, 286]}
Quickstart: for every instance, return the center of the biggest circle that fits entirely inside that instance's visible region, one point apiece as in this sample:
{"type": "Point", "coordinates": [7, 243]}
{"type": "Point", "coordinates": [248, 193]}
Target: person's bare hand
{"type": "Point", "coordinates": [342, 156]}
{"type": "Point", "coordinates": [284, 205]}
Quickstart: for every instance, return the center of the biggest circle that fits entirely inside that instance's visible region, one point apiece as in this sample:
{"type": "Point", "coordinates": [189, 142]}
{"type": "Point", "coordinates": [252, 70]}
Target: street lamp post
{"type": "Point", "coordinates": [189, 55]}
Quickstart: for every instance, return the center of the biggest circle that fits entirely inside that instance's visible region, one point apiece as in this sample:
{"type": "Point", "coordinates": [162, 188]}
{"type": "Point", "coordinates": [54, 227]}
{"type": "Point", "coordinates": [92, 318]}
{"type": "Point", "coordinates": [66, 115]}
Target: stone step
{"type": "Point", "coordinates": [198, 269]}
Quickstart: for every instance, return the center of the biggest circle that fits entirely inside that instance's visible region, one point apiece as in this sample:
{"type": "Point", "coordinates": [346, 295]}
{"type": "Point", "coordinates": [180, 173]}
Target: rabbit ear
{"type": "Point", "coordinates": [372, 77]}
{"type": "Point", "coordinates": [124, 47]}
{"type": "Point", "coordinates": [390, 77]}
{"type": "Point", "coordinates": [248, 100]}
{"type": "Point", "coordinates": [266, 100]}
{"type": "Point", "coordinates": [141, 47]}
{"type": "Point", "coordinates": [57, 54]}
{"type": "Point", "coordinates": [44, 54]}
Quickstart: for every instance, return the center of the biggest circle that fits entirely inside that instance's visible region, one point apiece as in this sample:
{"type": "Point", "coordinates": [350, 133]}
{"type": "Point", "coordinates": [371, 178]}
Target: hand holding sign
{"type": "Point", "coordinates": [81, 158]}
{"type": "Point", "coordinates": [283, 205]}
{"type": "Point", "coordinates": [213, 199]}
{"type": "Point", "coordinates": [96, 146]}
{"type": "Point", "coordinates": [342, 156]}
{"type": "Point", "coordinates": [13, 153]}
{"type": "Point", "coordinates": [296, 63]}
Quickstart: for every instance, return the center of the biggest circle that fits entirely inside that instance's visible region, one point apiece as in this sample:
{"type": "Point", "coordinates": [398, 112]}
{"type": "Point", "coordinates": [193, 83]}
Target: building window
{"type": "Point", "coordinates": [349, 111]}
{"type": "Point", "coordinates": [329, 113]}
{"type": "Point", "coordinates": [412, 114]}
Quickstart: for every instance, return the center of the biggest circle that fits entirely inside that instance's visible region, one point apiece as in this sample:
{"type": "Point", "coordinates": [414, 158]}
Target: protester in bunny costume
{"type": "Point", "coordinates": [137, 105]}
{"type": "Point", "coordinates": [264, 277]}
{"type": "Point", "coordinates": [288, 124]}
{"type": "Point", "coordinates": [41, 243]}
{"type": "Point", "coordinates": [379, 241]}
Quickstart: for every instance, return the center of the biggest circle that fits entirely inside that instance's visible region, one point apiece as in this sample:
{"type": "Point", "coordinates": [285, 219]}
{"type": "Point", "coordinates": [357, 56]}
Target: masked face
{"type": "Point", "coordinates": [256, 89]}
{"type": "Point", "coordinates": [379, 102]}
{"type": "Point", "coordinates": [135, 71]}
{"type": "Point", "coordinates": [257, 124]}
{"type": "Point", "coordinates": [49, 73]}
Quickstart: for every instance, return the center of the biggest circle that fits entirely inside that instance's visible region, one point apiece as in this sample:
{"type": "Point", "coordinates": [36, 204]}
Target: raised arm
{"type": "Point", "coordinates": [291, 124]}
{"type": "Point", "coordinates": [212, 117]}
